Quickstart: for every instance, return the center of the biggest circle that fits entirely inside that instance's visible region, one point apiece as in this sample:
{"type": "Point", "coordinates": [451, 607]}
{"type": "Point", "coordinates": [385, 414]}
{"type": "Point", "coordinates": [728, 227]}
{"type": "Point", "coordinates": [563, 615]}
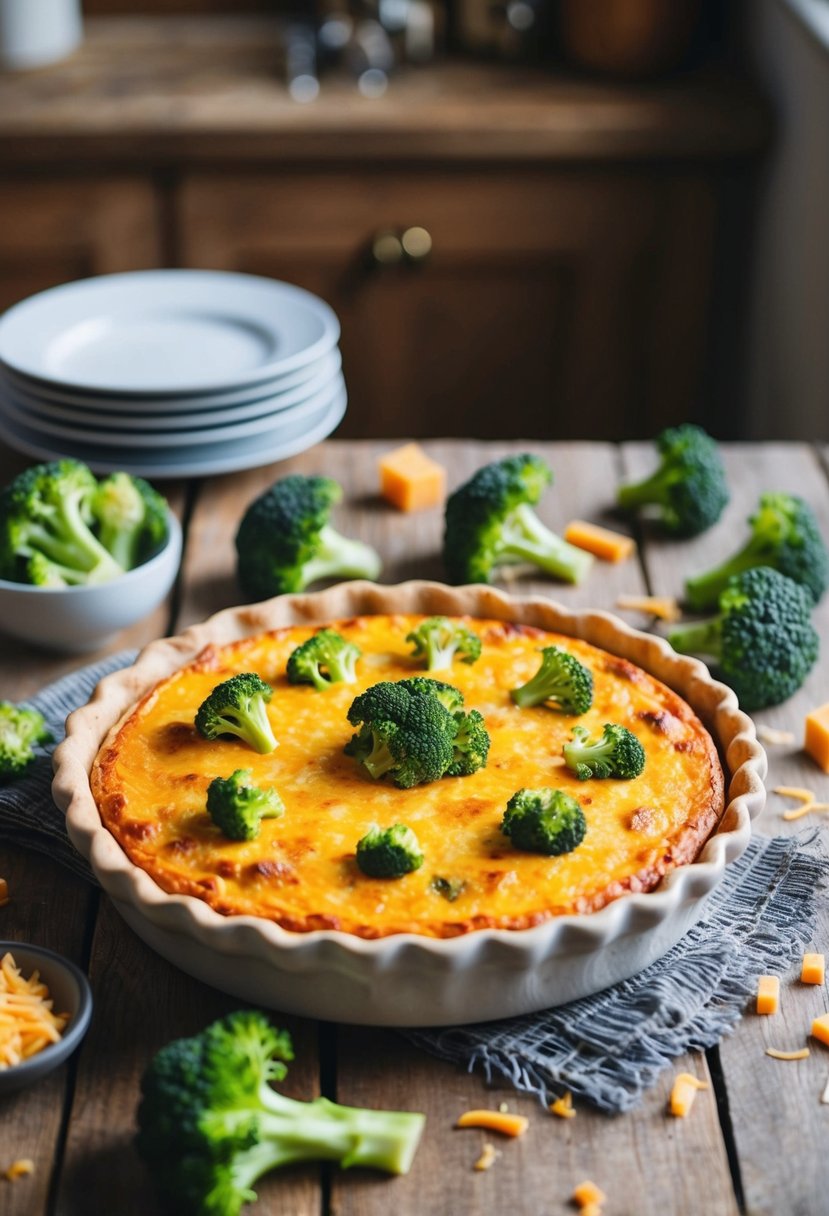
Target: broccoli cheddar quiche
{"type": "Point", "coordinates": [300, 870]}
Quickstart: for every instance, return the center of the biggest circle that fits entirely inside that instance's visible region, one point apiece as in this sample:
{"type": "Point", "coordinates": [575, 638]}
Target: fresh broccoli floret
{"type": "Point", "coordinates": [325, 659]}
{"type": "Point", "coordinates": [762, 642]}
{"type": "Point", "coordinates": [618, 753]}
{"type": "Point", "coordinates": [21, 730]}
{"type": "Point", "coordinates": [471, 742]}
{"type": "Point", "coordinates": [451, 698]}
{"type": "Point", "coordinates": [471, 745]}
{"type": "Point", "coordinates": [237, 808]}
{"type": "Point", "coordinates": [389, 852]}
{"type": "Point", "coordinates": [238, 706]}
{"type": "Point", "coordinates": [544, 821]}
{"type": "Point", "coordinates": [46, 535]}
{"type": "Point", "coordinates": [448, 888]}
{"type": "Point", "coordinates": [131, 518]}
{"type": "Point", "coordinates": [285, 543]}
{"type": "Point", "coordinates": [490, 522]}
{"type": "Point", "coordinates": [438, 640]}
{"type": "Point", "coordinates": [689, 486]}
{"type": "Point", "coordinates": [561, 682]}
{"type": "Point", "coordinates": [405, 732]}
{"type": "Point", "coordinates": [210, 1124]}
{"type": "Point", "coordinates": [785, 536]}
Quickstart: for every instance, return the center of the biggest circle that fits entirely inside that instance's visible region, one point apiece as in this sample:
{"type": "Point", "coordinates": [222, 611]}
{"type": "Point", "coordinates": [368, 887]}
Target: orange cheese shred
{"type": "Point", "coordinates": [487, 1158]}
{"type": "Point", "coordinates": [683, 1093]}
{"type": "Point", "coordinates": [601, 542]}
{"type": "Point", "coordinates": [816, 742]}
{"type": "Point", "coordinates": [665, 607]}
{"type": "Point", "coordinates": [820, 1029]}
{"type": "Point", "coordinates": [813, 970]}
{"type": "Point", "coordinates": [795, 791]}
{"type": "Point", "coordinates": [19, 1169]}
{"type": "Point", "coordinates": [494, 1121]}
{"type": "Point", "coordinates": [587, 1193]}
{"type": "Point", "coordinates": [802, 1053]}
{"type": "Point", "coordinates": [768, 994]}
{"type": "Point", "coordinates": [410, 480]}
{"type": "Point", "coordinates": [563, 1107]}
{"type": "Point", "coordinates": [27, 1023]}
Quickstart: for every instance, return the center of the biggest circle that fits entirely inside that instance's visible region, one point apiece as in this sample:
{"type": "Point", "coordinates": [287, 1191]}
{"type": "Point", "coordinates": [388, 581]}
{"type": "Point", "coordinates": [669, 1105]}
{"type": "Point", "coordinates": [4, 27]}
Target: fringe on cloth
{"type": "Point", "coordinates": [610, 1047]}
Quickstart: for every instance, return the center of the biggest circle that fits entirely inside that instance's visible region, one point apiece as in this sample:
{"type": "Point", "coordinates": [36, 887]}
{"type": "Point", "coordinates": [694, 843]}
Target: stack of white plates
{"type": "Point", "coordinates": [170, 373]}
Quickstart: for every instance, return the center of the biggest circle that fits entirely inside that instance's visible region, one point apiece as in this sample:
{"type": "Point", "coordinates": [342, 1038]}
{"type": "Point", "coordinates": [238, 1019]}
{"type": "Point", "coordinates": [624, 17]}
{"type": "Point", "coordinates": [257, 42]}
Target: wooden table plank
{"type": "Point", "coordinates": [779, 1126]}
{"type": "Point", "coordinates": [51, 908]}
{"type": "Point", "coordinates": [381, 1070]}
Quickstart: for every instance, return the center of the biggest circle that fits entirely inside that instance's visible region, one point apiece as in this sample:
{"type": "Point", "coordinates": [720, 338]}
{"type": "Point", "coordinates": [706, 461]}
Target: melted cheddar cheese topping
{"type": "Point", "coordinates": [151, 776]}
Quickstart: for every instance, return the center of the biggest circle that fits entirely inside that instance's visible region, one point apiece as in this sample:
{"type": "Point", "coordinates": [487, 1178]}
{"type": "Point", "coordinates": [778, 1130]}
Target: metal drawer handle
{"type": "Point", "coordinates": [390, 247]}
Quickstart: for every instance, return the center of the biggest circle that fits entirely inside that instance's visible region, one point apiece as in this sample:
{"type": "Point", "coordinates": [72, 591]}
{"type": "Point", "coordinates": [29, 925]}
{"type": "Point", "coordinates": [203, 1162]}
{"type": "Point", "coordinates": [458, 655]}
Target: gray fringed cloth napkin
{"type": "Point", "coordinates": [606, 1048]}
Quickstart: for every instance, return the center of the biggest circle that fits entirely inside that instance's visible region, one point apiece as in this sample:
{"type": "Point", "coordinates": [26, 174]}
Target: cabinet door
{"type": "Point", "coordinates": [551, 304]}
{"type": "Point", "coordinates": [52, 231]}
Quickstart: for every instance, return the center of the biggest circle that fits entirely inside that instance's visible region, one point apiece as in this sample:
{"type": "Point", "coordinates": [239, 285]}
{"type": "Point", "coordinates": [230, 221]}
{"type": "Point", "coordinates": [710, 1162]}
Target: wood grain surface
{"type": "Point", "coordinates": [754, 1142]}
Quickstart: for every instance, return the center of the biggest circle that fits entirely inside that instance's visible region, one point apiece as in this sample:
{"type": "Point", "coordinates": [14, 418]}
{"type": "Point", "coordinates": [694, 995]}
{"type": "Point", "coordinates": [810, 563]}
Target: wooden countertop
{"type": "Point", "coordinates": [154, 91]}
{"type": "Point", "coordinates": [754, 1142]}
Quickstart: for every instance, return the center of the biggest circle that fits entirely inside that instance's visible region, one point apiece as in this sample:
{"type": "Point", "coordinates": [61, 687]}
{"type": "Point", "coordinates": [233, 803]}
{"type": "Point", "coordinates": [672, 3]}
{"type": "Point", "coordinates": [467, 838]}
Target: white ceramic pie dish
{"type": "Point", "coordinates": [406, 979]}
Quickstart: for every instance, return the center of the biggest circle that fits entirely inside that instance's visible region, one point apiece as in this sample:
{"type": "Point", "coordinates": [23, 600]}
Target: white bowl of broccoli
{"type": "Point", "coordinates": [82, 558]}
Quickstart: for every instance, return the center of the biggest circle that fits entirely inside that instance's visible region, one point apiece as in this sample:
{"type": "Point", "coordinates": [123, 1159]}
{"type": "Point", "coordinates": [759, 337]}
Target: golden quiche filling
{"type": "Point", "coordinates": [151, 776]}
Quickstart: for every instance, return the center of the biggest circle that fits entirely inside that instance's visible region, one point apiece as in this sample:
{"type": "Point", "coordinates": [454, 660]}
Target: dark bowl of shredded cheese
{"type": "Point", "coordinates": [45, 1007]}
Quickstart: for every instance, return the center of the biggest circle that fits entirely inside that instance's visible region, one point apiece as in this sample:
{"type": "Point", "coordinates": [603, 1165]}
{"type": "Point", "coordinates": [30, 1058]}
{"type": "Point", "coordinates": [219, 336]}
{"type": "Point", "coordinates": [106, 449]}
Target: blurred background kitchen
{"type": "Point", "coordinates": [537, 218]}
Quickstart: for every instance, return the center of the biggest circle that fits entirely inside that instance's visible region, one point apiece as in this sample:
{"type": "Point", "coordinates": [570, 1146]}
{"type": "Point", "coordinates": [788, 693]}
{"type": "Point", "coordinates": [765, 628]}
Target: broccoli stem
{"type": "Point", "coordinates": [653, 489]}
{"type": "Point", "coordinates": [65, 538]}
{"type": "Point", "coordinates": [703, 638]}
{"type": "Point", "coordinates": [324, 1130]}
{"type": "Point", "coordinates": [703, 590]}
{"type": "Point", "coordinates": [340, 557]}
{"type": "Point", "coordinates": [541, 687]}
{"type": "Point", "coordinates": [379, 760]}
{"type": "Point", "coordinates": [251, 724]}
{"type": "Point", "coordinates": [526, 538]}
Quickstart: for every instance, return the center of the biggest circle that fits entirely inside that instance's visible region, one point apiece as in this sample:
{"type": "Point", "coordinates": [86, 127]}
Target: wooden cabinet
{"type": "Point", "coordinates": [567, 304]}
{"type": "Point", "coordinates": [55, 230]}
{"type": "Point", "coordinates": [584, 234]}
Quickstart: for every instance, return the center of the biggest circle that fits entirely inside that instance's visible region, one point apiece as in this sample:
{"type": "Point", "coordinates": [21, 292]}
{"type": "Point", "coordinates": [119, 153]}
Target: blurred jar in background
{"type": "Point", "coordinates": [36, 32]}
{"type": "Point", "coordinates": [631, 38]}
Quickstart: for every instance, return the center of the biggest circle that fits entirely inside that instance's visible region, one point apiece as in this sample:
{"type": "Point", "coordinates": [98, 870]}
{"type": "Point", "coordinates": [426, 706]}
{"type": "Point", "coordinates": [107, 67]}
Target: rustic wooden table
{"type": "Point", "coordinates": [756, 1139]}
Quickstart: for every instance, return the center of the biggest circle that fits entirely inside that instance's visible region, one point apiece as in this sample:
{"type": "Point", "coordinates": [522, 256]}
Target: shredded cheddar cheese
{"type": "Point", "coordinates": [768, 994]}
{"type": "Point", "coordinates": [601, 542]}
{"type": "Point", "coordinates": [771, 734]}
{"type": "Point", "coordinates": [683, 1093]}
{"type": "Point", "coordinates": [4, 892]}
{"type": "Point", "coordinates": [665, 607]}
{"type": "Point", "coordinates": [27, 1023]}
{"type": "Point", "coordinates": [795, 791]}
{"type": "Point", "coordinates": [587, 1193]}
{"type": "Point", "coordinates": [563, 1107]}
{"type": "Point", "coordinates": [591, 1209]}
{"type": "Point", "coordinates": [820, 1029]}
{"type": "Point", "coordinates": [487, 1158]}
{"type": "Point", "coordinates": [806, 809]}
{"type": "Point", "coordinates": [813, 970]}
{"type": "Point", "coordinates": [494, 1121]}
{"type": "Point", "coordinates": [19, 1169]}
{"type": "Point", "coordinates": [777, 1054]}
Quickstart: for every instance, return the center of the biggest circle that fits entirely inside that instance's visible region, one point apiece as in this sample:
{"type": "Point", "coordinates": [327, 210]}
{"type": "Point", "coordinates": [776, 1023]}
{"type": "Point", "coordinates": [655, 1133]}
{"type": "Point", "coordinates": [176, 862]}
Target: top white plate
{"type": "Point", "coordinates": [166, 331]}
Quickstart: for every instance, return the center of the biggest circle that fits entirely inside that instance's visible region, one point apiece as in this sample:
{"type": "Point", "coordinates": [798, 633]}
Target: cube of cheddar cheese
{"type": "Point", "coordinates": [410, 480]}
{"type": "Point", "coordinates": [768, 994]}
{"type": "Point", "coordinates": [813, 970]}
{"type": "Point", "coordinates": [817, 736]}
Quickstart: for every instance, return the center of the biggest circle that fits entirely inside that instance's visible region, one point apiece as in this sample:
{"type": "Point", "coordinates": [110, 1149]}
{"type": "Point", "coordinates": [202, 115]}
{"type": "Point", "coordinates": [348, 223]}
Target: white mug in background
{"type": "Point", "coordinates": [36, 32]}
